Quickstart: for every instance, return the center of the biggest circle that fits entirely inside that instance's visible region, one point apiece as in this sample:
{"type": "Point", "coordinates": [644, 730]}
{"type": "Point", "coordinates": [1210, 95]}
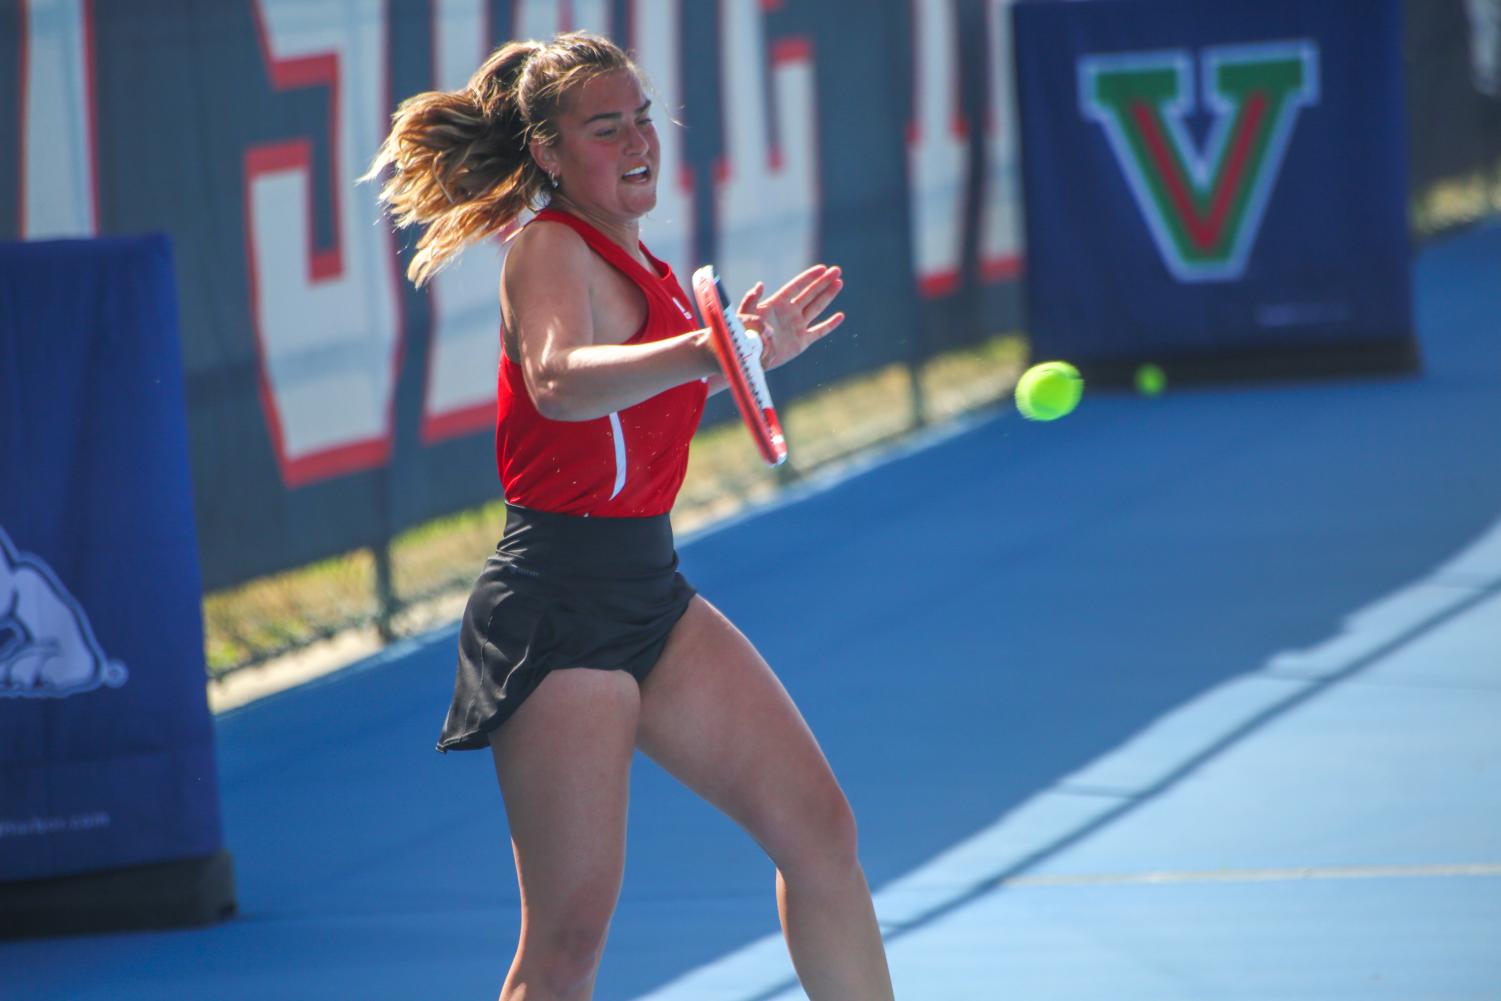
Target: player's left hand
{"type": "Point", "coordinates": [787, 321]}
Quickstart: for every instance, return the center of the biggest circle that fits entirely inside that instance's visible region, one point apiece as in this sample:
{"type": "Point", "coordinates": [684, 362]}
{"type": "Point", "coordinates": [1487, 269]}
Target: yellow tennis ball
{"type": "Point", "coordinates": [1048, 391]}
{"type": "Point", "coordinates": [1151, 380]}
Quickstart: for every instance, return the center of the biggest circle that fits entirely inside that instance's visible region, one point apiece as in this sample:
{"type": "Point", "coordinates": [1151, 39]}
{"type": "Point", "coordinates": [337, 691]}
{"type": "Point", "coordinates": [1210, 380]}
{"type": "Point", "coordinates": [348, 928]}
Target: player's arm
{"type": "Point", "coordinates": [570, 377]}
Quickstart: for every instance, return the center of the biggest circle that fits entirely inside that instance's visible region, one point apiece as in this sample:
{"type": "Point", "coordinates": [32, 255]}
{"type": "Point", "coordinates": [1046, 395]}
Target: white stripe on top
{"type": "Point", "coordinates": [619, 435]}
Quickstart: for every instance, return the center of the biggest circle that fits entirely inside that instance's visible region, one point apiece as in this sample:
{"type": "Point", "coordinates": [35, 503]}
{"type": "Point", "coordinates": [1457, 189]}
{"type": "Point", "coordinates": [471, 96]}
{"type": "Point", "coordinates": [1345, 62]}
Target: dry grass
{"type": "Point", "coordinates": [271, 615]}
{"type": "Point", "coordinates": [1457, 202]}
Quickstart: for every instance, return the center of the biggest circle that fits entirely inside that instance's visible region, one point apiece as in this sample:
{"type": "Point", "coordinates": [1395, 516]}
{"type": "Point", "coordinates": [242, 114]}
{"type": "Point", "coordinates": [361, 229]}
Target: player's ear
{"type": "Point", "coordinates": [545, 157]}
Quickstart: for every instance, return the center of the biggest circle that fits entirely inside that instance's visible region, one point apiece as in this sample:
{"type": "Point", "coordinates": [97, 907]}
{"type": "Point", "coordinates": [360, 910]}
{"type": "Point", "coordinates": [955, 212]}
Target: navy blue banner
{"type": "Point", "coordinates": [1215, 181]}
{"type": "Point", "coordinates": [106, 744]}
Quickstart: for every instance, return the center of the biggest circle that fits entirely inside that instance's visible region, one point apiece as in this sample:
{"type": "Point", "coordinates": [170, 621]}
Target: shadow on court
{"type": "Point", "coordinates": [964, 627]}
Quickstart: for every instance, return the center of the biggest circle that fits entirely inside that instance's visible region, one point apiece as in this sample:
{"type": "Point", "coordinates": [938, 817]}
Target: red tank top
{"type": "Point", "coordinates": [627, 464]}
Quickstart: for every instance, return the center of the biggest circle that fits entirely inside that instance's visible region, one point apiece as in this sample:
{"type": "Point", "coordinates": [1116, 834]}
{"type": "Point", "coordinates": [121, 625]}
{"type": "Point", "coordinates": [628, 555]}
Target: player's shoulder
{"type": "Point", "coordinates": [548, 241]}
{"type": "Point", "coordinates": [548, 251]}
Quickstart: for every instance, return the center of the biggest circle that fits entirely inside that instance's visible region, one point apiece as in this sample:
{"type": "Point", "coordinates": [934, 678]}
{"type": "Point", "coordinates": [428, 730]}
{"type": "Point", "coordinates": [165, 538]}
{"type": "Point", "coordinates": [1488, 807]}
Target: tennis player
{"type": "Point", "coordinates": [581, 641]}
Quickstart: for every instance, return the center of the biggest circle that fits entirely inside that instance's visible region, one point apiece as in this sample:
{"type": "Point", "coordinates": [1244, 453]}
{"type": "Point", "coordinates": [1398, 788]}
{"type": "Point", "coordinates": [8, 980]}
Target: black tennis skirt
{"type": "Point", "coordinates": [561, 591]}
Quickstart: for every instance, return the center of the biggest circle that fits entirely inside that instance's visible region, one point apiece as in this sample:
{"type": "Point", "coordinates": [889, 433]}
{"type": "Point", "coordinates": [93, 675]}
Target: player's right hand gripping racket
{"type": "Point", "coordinates": [739, 352]}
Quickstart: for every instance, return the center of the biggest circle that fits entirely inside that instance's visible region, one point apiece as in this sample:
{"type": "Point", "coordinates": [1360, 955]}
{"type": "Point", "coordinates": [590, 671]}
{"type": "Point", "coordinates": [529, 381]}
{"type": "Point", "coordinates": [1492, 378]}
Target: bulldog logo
{"type": "Point", "coordinates": [47, 647]}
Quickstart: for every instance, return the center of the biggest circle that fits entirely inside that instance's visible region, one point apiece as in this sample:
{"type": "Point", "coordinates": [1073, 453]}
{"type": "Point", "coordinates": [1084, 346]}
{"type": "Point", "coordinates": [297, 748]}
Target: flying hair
{"type": "Point", "coordinates": [460, 161]}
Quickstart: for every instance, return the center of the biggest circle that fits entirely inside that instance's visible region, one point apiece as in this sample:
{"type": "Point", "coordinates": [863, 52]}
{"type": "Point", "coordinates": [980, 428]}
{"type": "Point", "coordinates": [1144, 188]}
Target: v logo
{"type": "Point", "coordinates": [1203, 206]}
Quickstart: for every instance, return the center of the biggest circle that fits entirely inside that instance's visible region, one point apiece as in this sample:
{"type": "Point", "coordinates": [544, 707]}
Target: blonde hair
{"type": "Point", "coordinates": [462, 159]}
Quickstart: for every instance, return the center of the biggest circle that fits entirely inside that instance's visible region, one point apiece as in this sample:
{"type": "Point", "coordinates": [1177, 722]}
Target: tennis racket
{"type": "Point", "coordinates": [739, 353]}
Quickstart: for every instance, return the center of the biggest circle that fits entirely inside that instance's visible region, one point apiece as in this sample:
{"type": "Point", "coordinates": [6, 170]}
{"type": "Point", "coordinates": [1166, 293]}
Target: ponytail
{"type": "Point", "coordinates": [462, 159]}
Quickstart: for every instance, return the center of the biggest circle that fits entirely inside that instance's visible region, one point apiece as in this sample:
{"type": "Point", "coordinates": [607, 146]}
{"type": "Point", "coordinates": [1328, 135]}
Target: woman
{"type": "Point", "coordinates": [581, 642]}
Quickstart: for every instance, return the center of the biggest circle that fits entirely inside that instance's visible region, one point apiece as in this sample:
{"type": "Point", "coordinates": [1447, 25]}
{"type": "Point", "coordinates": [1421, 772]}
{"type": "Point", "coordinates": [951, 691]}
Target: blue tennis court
{"type": "Point", "coordinates": [1195, 697]}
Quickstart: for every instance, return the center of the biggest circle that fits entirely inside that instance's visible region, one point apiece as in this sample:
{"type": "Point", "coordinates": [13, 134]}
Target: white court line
{"type": "Point", "coordinates": [1295, 875]}
{"type": "Point", "coordinates": [1372, 633]}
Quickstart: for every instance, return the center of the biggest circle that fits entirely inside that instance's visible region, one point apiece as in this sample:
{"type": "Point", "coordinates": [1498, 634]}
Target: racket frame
{"type": "Point", "coordinates": [739, 354]}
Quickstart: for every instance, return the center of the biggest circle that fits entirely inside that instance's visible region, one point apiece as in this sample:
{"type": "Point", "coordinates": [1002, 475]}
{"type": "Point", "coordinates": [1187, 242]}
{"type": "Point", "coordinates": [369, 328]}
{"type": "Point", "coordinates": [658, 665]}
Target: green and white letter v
{"type": "Point", "coordinates": [1203, 206]}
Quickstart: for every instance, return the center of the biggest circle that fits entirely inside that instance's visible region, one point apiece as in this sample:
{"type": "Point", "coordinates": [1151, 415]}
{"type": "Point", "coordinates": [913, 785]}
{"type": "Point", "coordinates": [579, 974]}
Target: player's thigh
{"type": "Point", "coordinates": [715, 716]}
{"type": "Point", "coordinates": [563, 762]}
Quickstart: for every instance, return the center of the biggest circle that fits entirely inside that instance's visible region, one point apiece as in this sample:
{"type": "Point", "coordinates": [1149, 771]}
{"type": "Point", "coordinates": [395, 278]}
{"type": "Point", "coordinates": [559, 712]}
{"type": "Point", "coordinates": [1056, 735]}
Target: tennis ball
{"type": "Point", "coordinates": [1048, 391]}
{"type": "Point", "coordinates": [1150, 380]}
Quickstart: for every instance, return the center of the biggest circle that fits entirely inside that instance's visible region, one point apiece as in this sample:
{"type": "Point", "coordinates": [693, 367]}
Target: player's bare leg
{"type": "Point", "coordinates": [715, 716]}
{"type": "Point", "coordinates": [564, 766]}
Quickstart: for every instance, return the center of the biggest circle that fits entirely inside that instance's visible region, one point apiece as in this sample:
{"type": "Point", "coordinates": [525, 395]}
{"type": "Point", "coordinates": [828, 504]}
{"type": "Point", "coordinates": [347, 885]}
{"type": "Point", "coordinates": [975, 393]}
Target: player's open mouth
{"type": "Point", "coordinates": [640, 174]}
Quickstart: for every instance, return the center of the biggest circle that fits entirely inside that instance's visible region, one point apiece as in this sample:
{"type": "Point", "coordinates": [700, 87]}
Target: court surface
{"type": "Point", "coordinates": [1195, 698]}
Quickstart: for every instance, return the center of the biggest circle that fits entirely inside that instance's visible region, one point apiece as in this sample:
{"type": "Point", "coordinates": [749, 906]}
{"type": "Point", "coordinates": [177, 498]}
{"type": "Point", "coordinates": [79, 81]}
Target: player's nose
{"type": "Point", "coordinates": [635, 140]}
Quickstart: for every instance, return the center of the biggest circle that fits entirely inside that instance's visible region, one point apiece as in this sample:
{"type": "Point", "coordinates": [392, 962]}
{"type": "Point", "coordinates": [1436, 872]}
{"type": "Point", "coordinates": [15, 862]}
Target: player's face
{"type": "Point", "coordinates": [607, 152]}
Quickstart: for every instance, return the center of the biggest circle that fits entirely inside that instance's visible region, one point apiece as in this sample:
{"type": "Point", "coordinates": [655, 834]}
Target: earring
{"type": "Point", "coordinates": [554, 179]}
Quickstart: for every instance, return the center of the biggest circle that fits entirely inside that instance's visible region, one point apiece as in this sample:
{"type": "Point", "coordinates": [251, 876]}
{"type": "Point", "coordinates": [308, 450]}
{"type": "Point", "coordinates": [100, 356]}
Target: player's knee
{"type": "Point", "coordinates": [823, 839]}
{"type": "Point", "coordinates": [560, 951]}
{"type": "Point", "coordinates": [570, 955]}
{"type": "Point", "coordinates": [838, 831]}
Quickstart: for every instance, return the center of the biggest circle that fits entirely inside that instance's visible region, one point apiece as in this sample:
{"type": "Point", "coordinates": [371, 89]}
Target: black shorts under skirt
{"type": "Point", "coordinates": [561, 591]}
